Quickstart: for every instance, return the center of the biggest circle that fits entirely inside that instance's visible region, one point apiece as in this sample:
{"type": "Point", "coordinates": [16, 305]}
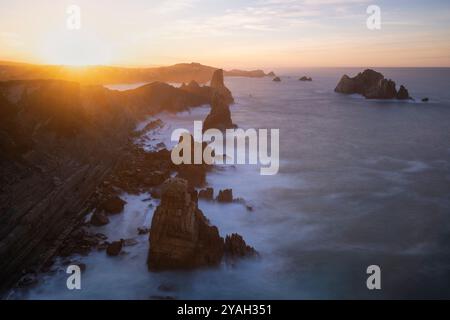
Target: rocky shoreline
{"type": "Point", "coordinates": [99, 159]}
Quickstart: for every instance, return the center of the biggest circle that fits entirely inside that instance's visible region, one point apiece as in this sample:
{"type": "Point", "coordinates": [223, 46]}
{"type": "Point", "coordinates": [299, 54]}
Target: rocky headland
{"type": "Point", "coordinates": [66, 150]}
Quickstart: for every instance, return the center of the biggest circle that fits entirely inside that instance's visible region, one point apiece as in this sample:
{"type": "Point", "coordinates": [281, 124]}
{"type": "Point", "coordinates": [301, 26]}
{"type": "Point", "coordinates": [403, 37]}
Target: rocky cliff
{"type": "Point", "coordinates": [58, 142]}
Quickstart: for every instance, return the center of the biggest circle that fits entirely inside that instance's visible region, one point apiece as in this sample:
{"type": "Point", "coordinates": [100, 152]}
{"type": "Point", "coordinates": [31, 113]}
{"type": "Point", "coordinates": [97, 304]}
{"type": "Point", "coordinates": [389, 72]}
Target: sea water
{"type": "Point", "coordinates": [360, 183]}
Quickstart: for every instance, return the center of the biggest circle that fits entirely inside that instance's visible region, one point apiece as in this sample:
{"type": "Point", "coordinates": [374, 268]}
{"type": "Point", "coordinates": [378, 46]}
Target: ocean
{"type": "Point", "coordinates": [360, 183]}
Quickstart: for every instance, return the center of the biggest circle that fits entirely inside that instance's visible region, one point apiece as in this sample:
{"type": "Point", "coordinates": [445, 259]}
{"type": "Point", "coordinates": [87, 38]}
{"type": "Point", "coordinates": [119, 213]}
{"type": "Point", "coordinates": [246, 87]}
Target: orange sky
{"type": "Point", "coordinates": [242, 34]}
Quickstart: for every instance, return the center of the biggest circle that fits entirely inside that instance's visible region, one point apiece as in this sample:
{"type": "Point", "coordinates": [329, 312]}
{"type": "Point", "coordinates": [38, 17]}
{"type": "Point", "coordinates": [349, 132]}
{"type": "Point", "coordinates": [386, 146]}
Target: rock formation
{"type": "Point", "coordinates": [372, 85]}
{"type": "Point", "coordinates": [218, 86]}
{"type": "Point", "coordinates": [225, 195]}
{"type": "Point", "coordinates": [271, 74]}
{"type": "Point", "coordinates": [59, 141]}
{"type": "Point", "coordinates": [305, 78]}
{"type": "Point", "coordinates": [277, 79]}
{"type": "Point", "coordinates": [220, 116]}
{"type": "Point", "coordinates": [403, 93]}
{"type": "Point", "coordinates": [207, 194]}
{"type": "Point", "coordinates": [236, 248]}
{"type": "Point", "coordinates": [180, 235]}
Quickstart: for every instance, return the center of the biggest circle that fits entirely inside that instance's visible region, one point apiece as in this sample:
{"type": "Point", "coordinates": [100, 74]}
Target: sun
{"type": "Point", "coordinates": [74, 48]}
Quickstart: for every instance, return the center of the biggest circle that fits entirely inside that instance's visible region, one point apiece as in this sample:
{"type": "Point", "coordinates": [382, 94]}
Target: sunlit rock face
{"type": "Point", "coordinates": [180, 235]}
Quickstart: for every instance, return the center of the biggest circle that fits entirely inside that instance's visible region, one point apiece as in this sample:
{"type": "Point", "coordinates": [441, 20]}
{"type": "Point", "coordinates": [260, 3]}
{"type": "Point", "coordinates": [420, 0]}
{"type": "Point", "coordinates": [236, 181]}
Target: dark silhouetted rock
{"type": "Point", "coordinates": [219, 116]}
{"type": "Point", "coordinates": [305, 78]}
{"type": "Point", "coordinates": [403, 93]}
{"type": "Point", "coordinates": [207, 194]}
{"type": "Point", "coordinates": [112, 205]}
{"type": "Point", "coordinates": [218, 86]}
{"type": "Point", "coordinates": [235, 248]}
{"type": "Point", "coordinates": [372, 85]}
{"type": "Point", "coordinates": [143, 230]}
{"type": "Point", "coordinates": [425, 99]}
{"type": "Point", "coordinates": [180, 235]}
{"type": "Point", "coordinates": [99, 219]}
{"type": "Point", "coordinates": [271, 74]}
{"type": "Point", "coordinates": [115, 248]}
{"type": "Point", "coordinates": [277, 79]}
{"type": "Point", "coordinates": [225, 195]}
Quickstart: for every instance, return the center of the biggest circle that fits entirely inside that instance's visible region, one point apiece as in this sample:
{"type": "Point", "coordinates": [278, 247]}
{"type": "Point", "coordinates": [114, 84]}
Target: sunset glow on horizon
{"type": "Point", "coordinates": [233, 34]}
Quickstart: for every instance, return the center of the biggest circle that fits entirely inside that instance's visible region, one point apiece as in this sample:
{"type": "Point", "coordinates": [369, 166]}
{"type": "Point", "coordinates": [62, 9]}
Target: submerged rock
{"type": "Point", "coordinates": [425, 99]}
{"type": "Point", "coordinates": [372, 85]}
{"type": "Point", "coordinates": [180, 236]}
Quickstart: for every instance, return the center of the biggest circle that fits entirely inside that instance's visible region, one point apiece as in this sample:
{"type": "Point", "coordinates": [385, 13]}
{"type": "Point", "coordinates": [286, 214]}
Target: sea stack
{"type": "Point", "coordinates": [220, 115]}
{"type": "Point", "coordinates": [372, 85]}
{"type": "Point", "coordinates": [218, 85]}
{"type": "Point", "coordinates": [180, 235]}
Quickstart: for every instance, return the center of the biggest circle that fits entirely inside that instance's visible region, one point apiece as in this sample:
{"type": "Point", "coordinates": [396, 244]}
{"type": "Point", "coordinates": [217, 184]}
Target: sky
{"type": "Point", "coordinates": [230, 34]}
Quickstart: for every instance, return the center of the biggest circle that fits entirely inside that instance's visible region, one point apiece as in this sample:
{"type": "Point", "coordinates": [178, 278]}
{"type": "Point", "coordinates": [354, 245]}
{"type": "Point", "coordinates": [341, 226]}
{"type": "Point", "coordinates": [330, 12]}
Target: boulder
{"type": "Point", "coordinates": [99, 219]}
{"type": "Point", "coordinates": [113, 205]}
{"type": "Point", "coordinates": [115, 248]}
{"type": "Point", "coordinates": [305, 78]}
{"type": "Point", "coordinates": [180, 236]}
{"type": "Point", "coordinates": [225, 195]}
{"type": "Point", "coordinates": [277, 79]}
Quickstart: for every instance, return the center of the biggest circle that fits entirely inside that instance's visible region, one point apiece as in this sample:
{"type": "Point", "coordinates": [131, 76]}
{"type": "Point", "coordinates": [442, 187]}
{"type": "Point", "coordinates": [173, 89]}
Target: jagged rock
{"type": "Point", "coordinates": [271, 74]}
{"type": "Point", "coordinates": [180, 236]}
{"type": "Point", "coordinates": [385, 89]}
{"type": "Point", "coordinates": [225, 195]}
{"type": "Point", "coordinates": [277, 79]}
{"type": "Point", "coordinates": [305, 78]}
{"type": "Point", "coordinates": [403, 93]}
{"type": "Point", "coordinates": [219, 116]}
{"type": "Point", "coordinates": [99, 219]}
{"type": "Point", "coordinates": [218, 86]}
{"type": "Point", "coordinates": [207, 194]}
{"type": "Point", "coordinates": [235, 247]}
{"type": "Point", "coordinates": [115, 248]}
{"type": "Point", "coordinates": [113, 205]}
{"type": "Point", "coordinates": [370, 84]}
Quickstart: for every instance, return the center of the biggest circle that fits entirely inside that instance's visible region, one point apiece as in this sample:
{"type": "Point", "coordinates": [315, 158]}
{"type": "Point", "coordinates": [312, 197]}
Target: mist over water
{"type": "Point", "coordinates": [360, 183]}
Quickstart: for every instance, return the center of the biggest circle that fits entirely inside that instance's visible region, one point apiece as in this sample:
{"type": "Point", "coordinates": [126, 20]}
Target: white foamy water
{"type": "Point", "coordinates": [360, 183]}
